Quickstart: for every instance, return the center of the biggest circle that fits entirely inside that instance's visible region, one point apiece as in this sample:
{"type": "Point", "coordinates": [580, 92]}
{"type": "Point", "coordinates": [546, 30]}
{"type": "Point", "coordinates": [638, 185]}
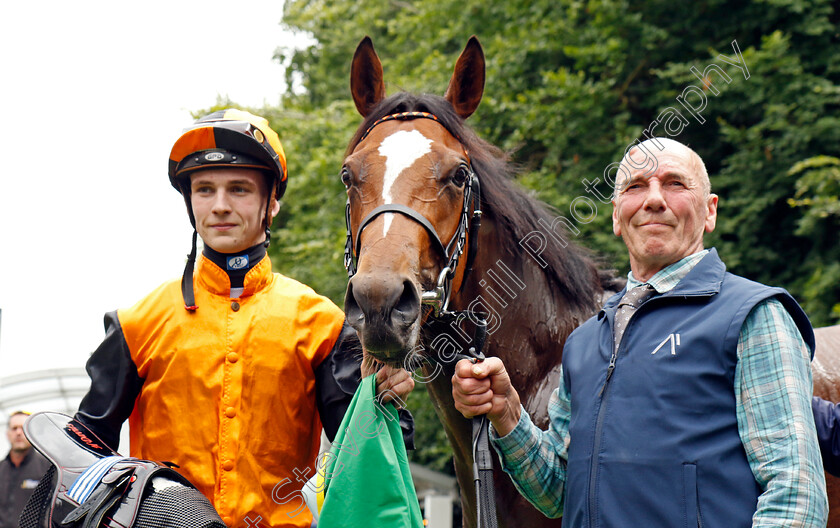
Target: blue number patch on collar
{"type": "Point", "coordinates": [237, 262]}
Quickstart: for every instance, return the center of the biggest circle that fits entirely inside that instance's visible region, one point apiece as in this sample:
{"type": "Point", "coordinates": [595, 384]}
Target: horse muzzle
{"type": "Point", "coordinates": [385, 311]}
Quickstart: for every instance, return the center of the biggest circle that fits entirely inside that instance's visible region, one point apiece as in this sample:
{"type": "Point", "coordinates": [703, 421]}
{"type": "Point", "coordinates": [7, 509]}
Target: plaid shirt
{"type": "Point", "coordinates": [773, 400]}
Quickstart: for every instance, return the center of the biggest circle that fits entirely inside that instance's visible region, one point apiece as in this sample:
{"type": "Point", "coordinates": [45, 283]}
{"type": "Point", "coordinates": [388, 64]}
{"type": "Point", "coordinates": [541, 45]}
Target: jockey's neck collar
{"type": "Point", "coordinates": [236, 265]}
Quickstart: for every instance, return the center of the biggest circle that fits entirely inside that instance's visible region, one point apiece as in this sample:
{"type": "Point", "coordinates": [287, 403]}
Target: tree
{"type": "Point", "coordinates": [572, 84]}
{"type": "Point", "coordinates": [818, 192]}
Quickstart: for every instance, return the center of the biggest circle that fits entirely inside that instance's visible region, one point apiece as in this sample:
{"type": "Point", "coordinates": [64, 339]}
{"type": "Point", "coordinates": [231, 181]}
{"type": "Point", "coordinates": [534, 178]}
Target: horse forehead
{"type": "Point", "coordinates": [398, 159]}
{"type": "Point", "coordinates": [392, 149]}
{"type": "Point", "coordinates": [402, 148]}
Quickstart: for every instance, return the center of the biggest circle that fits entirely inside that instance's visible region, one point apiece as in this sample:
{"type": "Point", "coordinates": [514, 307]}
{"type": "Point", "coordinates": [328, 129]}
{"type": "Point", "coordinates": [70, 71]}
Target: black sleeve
{"type": "Point", "coordinates": [826, 418]}
{"type": "Point", "coordinates": [336, 381]}
{"type": "Point", "coordinates": [337, 378]}
{"type": "Point", "coordinates": [407, 425]}
{"type": "Point", "coordinates": [114, 385]}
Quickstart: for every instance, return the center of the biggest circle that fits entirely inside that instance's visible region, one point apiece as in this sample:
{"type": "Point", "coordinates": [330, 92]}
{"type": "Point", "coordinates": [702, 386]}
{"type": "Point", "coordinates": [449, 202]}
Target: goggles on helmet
{"type": "Point", "coordinates": [228, 138]}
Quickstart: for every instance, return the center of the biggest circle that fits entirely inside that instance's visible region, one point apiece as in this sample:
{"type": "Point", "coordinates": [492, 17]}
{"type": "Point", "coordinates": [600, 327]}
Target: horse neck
{"type": "Point", "coordinates": [529, 317]}
{"type": "Point", "coordinates": [528, 323]}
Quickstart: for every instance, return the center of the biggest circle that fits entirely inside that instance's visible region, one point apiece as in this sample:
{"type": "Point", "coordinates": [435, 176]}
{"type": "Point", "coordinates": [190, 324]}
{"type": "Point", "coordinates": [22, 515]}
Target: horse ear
{"type": "Point", "coordinates": [367, 82]}
{"type": "Point", "coordinates": [467, 83]}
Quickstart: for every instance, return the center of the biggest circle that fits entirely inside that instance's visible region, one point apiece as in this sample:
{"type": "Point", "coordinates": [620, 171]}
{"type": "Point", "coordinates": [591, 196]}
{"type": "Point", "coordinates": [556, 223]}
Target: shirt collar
{"type": "Point", "coordinates": [216, 280]}
{"type": "Point", "coordinates": [25, 459]}
{"type": "Point", "coordinates": [665, 279]}
{"type": "Point", "coordinates": [236, 265]}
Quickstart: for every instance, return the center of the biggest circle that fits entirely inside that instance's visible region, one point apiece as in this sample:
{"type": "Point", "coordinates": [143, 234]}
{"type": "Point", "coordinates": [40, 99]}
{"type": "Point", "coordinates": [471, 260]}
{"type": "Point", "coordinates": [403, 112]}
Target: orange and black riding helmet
{"type": "Point", "coordinates": [227, 138]}
{"type": "Point", "coordinates": [232, 138]}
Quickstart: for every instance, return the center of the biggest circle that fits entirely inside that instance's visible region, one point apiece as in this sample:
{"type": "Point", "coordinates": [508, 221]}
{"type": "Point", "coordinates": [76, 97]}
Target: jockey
{"type": "Point", "coordinates": [231, 372]}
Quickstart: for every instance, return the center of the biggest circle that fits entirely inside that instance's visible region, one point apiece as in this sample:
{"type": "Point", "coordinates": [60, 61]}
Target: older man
{"type": "Point", "coordinates": [686, 400]}
{"type": "Point", "coordinates": [20, 472]}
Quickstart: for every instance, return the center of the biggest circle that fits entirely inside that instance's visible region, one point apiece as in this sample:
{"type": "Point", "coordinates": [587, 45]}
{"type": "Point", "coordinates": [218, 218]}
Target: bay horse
{"type": "Point", "coordinates": [826, 371]}
{"type": "Point", "coordinates": [416, 177]}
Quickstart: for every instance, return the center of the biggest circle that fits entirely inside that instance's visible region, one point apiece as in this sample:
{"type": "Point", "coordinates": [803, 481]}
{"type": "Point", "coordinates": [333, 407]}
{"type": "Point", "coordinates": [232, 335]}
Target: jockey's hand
{"type": "Point", "coordinates": [485, 388]}
{"type": "Point", "coordinates": [393, 384]}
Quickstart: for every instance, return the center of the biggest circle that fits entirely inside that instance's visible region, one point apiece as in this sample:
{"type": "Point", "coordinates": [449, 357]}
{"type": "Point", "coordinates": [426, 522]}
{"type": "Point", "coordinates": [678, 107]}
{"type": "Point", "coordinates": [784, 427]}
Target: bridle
{"type": "Point", "coordinates": [469, 224]}
{"type": "Point", "coordinates": [438, 300]}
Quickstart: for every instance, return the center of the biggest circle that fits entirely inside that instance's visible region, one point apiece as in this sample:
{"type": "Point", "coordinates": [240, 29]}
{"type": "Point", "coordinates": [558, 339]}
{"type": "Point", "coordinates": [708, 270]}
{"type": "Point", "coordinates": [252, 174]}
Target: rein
{"type": "Point", "coordinates": [469, 224]}
{"type": "Point", "coordinates": [485, 494]}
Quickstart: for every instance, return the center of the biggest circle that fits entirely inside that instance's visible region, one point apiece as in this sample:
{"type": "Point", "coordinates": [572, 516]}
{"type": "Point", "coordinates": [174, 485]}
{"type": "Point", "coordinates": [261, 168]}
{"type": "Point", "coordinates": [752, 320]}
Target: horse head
{"type": "Point", "coordinates": [419, 183]}
{"type": "Point", "coordinates": [411, 193]}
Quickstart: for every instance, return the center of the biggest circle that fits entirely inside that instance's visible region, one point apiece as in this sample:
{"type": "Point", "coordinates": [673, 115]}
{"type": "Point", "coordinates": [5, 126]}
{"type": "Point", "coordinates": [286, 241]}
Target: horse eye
{"type": "Point", "coordinates": [346, 177]}
{"type": "Point", "coordinates": [462, 173]}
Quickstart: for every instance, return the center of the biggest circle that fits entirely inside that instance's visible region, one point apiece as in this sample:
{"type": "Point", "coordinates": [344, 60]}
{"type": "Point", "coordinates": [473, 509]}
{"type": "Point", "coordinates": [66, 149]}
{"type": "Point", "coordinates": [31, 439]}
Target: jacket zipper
{"type": "Point", "coordinates": [599, 423]}
{"type": "Point", "coordinates": [596, 446]}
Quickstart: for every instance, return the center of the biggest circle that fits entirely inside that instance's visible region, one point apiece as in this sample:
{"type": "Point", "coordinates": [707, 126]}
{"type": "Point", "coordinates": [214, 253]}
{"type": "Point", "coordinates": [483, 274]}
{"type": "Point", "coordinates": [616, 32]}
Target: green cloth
{"type": "Point", "coordinates": [368, 482]}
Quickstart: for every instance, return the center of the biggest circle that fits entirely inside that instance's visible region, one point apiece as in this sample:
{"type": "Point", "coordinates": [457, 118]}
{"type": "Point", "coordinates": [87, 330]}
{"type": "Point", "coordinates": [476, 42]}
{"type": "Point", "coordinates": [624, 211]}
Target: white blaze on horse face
{"type": "Point", "coordinates": [400, 151]}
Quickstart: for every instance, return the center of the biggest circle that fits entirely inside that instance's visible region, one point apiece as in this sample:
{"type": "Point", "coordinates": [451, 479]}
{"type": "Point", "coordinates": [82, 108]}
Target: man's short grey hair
{"type": "Point", "coordinates": [658, 144]}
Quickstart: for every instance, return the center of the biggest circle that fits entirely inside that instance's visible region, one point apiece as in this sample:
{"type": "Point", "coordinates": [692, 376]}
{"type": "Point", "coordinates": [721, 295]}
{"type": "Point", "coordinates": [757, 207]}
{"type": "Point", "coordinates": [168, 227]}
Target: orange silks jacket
{"type": "Point", "coordinates": [227, 392]}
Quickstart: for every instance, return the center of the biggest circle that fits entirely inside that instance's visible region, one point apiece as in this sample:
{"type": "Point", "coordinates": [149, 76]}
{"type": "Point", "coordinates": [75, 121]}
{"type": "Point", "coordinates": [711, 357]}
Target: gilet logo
{"type": "Point", "coordinates": [674, 340]}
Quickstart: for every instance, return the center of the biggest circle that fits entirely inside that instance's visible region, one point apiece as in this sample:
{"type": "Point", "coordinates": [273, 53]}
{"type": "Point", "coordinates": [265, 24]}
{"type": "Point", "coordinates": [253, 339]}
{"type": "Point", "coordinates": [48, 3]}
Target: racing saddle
{"type": "Point", "coordinates": [91, 486]}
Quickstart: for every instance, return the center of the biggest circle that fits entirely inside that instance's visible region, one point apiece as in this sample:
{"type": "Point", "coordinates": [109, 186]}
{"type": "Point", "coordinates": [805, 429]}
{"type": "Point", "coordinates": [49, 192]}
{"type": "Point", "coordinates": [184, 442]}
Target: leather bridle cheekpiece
{"type": "Point", "coordinates": [470, 222]}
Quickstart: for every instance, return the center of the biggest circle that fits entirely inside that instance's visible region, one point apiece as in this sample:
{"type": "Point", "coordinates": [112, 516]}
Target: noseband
{"type": "Point", "coordinates": [469, 224]}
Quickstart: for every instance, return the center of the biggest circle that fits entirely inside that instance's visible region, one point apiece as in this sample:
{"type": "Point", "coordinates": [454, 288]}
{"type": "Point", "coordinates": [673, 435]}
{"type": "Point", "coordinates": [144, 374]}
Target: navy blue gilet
{"type": "Point", "coordinates": [658, 445]}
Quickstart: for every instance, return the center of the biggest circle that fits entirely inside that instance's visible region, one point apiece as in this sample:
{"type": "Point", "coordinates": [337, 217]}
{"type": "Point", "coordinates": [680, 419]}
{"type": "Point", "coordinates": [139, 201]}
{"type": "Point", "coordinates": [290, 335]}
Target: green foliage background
{"type": "Point", "coordinates": [570, 84]}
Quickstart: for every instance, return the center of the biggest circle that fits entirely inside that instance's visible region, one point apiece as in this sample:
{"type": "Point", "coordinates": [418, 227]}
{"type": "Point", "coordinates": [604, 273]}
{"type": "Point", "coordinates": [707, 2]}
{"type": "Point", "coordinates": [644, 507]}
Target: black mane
{"type": "Point", "coordinates": [570, 269]}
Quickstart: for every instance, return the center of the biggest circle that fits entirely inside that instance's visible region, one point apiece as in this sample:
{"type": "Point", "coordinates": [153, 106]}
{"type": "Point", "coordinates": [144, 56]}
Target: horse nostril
{"type": "Point", "coordinates": [407, 307]}
{"type": "Point", "coordinates": [352, 311]}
